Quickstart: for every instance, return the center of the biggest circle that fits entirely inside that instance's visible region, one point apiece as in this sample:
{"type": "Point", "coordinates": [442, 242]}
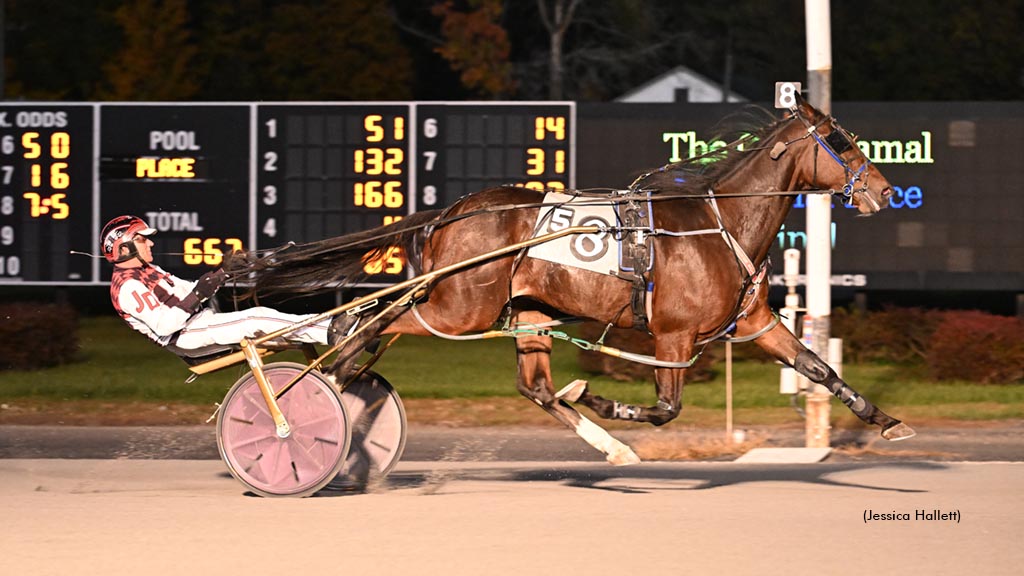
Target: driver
{"type": "Point", "coordinates": [172, 311]}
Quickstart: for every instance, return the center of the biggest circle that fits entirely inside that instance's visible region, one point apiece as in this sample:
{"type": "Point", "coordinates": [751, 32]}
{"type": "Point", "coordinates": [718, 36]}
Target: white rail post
{"type": "Point", "coordinates": [789, 380]}
{"type": "Point", "coordinates": [819, 221]}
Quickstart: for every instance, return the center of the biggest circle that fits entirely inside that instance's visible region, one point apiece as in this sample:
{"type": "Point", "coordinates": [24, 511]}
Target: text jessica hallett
{"type": "Point", "coordinates": [915, 516]}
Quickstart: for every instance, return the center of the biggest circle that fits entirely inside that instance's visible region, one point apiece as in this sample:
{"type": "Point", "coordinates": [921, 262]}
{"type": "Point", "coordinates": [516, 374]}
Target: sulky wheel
{"type": "Point", "coordinates": [379, 429]}
{"type": "Point", "coordinates": [308, 458]}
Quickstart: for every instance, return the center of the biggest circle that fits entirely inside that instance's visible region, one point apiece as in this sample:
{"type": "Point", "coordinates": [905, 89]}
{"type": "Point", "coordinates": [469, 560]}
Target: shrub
{"type": "Point", "coordinates": [36, 335]}
{"type": "Point", "coordinates": [978, 347]}
{"type": "Point", "coordinates": [889, 335]}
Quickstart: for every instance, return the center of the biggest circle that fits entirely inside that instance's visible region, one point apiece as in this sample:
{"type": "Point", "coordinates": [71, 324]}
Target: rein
{"type": "Point", "coordinates": [623, 197]}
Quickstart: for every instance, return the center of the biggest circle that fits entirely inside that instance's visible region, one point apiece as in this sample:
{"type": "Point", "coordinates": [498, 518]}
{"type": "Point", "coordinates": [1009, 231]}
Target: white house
{"type": "Point", "coordinates": [679, 84]}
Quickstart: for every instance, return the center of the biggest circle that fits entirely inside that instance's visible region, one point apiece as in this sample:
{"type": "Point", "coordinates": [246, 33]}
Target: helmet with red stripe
{"type": "Point", "coordinates": [121, 231]}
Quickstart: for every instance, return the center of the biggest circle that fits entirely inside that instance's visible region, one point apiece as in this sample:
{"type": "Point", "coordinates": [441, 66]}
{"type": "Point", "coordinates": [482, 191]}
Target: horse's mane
{"type": "Point", "coordinates": [747, 127]}
{"type": "Point", "coordinates": [326, 264]}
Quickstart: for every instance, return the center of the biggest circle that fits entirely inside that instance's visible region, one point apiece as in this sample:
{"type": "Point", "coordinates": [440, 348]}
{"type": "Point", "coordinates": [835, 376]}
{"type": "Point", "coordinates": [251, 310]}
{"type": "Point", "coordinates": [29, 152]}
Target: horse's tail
{"type": "Point", "coordinates": [329, 264]}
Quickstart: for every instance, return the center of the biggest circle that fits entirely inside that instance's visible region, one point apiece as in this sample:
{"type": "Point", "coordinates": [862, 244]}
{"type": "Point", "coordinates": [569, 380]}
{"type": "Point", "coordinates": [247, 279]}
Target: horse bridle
{"type": "Point", "coordinates": [836, 143]}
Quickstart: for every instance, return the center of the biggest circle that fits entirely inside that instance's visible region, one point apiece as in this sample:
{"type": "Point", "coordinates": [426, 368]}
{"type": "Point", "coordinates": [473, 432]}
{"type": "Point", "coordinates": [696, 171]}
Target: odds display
{"type": "Point", "coordinates": [218, 177]}
{"type": "Point", "coordinates": [47, 194]}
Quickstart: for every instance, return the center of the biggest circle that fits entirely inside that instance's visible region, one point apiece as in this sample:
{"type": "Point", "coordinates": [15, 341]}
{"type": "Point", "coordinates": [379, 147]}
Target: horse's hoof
{"type": "Point", "coordinates": [898, 431]}
{"type": "Point", "coordinates": [623, 456]}
{"type": "Point", "coordinates": [572, 391]}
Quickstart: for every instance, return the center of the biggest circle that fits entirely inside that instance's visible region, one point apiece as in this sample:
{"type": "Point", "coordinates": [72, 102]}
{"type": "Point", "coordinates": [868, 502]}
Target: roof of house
{"type": "Point", "coordinates": [664, 88]}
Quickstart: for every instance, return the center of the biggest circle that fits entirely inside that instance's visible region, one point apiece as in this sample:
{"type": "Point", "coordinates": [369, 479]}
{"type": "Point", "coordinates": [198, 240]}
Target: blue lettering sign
{"type": "Point", "coordinates": [911, 198]}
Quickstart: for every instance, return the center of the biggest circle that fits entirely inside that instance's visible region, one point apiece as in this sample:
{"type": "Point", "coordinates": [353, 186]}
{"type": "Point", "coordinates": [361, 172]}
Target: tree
{"type": "Point", "coordinates": [231, 36]}
{"type": "Point", "coordinates": [597, 50]}
{"type": "Point", "coordinates": [54, 49]}
{"type": "Point", "coordinates": [336, 49]}
{"type": "Point", "coordinates": [556, 22]}
{"type": "Point", "coordinates": [929, 50]}
{"type": "Point", "coordinates": [477, 46]}
{"type": "Point", "coordinates": [158, 59]}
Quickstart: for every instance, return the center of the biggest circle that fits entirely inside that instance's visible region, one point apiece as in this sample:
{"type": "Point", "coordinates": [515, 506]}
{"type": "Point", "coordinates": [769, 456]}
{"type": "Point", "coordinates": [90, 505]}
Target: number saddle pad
{"type": "Point", "coordinates": [603, 251]}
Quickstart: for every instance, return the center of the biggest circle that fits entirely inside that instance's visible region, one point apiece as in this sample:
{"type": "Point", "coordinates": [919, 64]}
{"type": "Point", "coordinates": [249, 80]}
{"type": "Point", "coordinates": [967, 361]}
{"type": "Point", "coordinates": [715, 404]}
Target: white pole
{"type": "Point", "coordinates": [789, 383]}
{"type": "Point", "coordinates": [819, 219]}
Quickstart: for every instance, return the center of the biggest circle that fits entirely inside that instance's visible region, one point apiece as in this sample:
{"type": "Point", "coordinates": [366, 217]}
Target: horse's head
{"type": "Point", "coordinates": [833, 160]}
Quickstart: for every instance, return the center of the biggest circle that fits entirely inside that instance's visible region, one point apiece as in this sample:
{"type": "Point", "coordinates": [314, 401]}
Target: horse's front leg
{"type": "Point", "coordinates": [782, 344]}
{"type": "Point", "coordinates": [669, 384]}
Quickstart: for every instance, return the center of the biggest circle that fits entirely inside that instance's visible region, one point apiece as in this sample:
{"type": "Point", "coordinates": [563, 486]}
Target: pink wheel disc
{"type": "Point", "coordinates": [311, 454]}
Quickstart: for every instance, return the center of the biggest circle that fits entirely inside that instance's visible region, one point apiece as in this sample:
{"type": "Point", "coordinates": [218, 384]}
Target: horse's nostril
{"type": "Point", "coordinates": [887, 192]}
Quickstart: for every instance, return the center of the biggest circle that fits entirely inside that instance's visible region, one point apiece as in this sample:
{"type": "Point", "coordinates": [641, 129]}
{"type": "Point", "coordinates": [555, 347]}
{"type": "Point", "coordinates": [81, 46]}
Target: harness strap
{"type": "Point", "coordinates": [521, 330]}
{"type": "Point", "coordinates": [756, 281]}
{"type": "Point", "coordinates": [636, 250]}
{"type": "Point", "coordinates": [741, 255]}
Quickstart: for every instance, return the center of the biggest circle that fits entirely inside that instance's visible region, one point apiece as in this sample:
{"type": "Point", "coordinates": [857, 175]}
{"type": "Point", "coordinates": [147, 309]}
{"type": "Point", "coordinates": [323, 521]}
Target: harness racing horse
{"type": "Point", "coordinates": [713, 220]}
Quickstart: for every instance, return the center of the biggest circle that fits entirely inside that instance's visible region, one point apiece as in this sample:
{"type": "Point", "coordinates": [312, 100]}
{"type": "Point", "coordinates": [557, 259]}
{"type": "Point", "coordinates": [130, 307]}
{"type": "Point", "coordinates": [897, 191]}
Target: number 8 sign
{"type": "Point", "coordinates": [785, 94]}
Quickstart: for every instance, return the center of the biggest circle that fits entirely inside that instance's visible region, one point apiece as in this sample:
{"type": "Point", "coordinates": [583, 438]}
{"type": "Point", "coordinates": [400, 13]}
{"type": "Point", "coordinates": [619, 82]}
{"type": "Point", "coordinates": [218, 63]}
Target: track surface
{"type": "Point", "coordinates": [158, 517]}
{"type": "Point", "coordinates": [982, 442]}
{"type": "Point", "coordinates": [151, 500]}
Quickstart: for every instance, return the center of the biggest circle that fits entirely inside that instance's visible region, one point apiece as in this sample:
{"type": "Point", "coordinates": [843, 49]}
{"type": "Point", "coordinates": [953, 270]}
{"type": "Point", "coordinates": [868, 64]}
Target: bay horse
{"type": "Point", "coordinates": [713, 220]}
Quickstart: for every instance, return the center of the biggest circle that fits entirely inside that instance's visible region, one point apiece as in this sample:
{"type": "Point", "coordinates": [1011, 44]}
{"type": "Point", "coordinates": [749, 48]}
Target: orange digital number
{"type": "Point", "coordinates": [372, 125]}
{"type": "Point", "coordinates": [375, 132]}
{"type": "Point", "coordinates": [542, 125]}
{"type": "Point", "coordinates": [535, 161]}
{"type": "Point", "coordinates": [32, 148]}
{"type": "Point", "coordinates": [377, 161]}
{"type": "Point", "coordinates": [390, 262]}
{"type": "Point", "coordinates": [208, 250]}
{"type": "Point", "coordinates": [59, 179]}
{"type": "Point", "coordinates": [377, 194]}
{"type": "Point", "coordinates": [60, 145]}
{"type": "Point", "coordinates": [542, 186]}
{"type": "Point", "coordinates": [53, 205]}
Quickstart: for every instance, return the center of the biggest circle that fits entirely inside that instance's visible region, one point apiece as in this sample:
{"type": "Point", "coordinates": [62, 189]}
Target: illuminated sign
{"type": "Point", "coordinates": [953, 217]}
{"type": "Point", "coordinates": [463, 148]}
{"type": "Point", "coordinates": [878, 151]}
{"type": "Point", "coordinates": [185, 170]}
{"type": "Point", "coordinates": [216, 177]}
{"type": "Point", "coordinates": [694, 146]}
{"type": "Point", "coordinates": [325, 170]}
{"type": "Point", "coordinates": [684, 145]}
{"type": "Point", "coordinates": [151, 167]}
{"type": "Point", "coordinates": [212, 178]}
{"type": "Point", "coordinates": [899, 152]}
{"type": "Point", "coordinates": [46, 198]}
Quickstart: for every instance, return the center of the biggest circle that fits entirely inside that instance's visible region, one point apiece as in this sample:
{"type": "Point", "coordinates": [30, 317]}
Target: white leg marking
{"type": "Point", "coordinates": [617, 453]}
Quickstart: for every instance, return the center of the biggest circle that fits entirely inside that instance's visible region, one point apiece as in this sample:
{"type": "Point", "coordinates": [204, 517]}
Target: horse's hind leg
{"type": "Point", "coordinates": [533, 356]}
{"type": "Point", "coordinates": [782, 344]}
{"type": "Point", "coordinates": [669, 383]}
{"type": "Point", "coordinates": [361, 336]}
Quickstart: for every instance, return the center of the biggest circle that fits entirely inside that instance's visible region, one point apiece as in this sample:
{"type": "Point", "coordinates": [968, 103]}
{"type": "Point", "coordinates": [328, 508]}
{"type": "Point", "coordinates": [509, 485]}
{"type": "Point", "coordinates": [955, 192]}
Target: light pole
{"type": "Point", "coordinates": [819, 223]}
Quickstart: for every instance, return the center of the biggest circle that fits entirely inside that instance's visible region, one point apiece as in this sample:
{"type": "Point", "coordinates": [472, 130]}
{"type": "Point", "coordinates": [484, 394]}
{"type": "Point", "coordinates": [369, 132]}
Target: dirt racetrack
{"type": "Point", "coordinates": [189, 517]}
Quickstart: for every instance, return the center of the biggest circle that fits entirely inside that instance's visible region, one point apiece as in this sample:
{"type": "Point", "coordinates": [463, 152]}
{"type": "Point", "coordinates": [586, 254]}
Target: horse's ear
{"type": "Point", "coordinates": [805, 108]}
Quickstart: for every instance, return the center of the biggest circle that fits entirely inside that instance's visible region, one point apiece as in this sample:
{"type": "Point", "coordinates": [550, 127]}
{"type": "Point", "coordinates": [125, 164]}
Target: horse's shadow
{"type": "Point", "coordinates": [648, 478]}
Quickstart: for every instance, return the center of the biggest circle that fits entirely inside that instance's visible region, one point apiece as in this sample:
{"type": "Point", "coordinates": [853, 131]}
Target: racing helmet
{"type": "Point", "coordinates": [119, 232]}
